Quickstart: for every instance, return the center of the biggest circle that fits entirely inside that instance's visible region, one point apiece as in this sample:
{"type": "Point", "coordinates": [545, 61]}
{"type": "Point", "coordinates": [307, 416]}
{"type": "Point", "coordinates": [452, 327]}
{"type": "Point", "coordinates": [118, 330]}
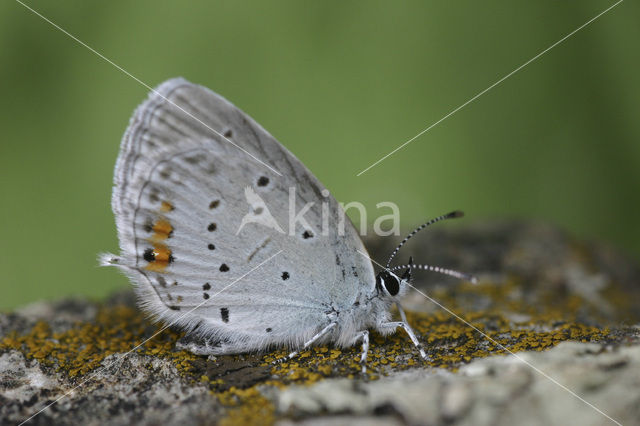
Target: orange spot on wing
{"type": "Point", "coordinates": [166, 206]}
{"type": "Point", "coordinates": [162, 258]}
{"type": "Point", "coordinates": [161, 230]}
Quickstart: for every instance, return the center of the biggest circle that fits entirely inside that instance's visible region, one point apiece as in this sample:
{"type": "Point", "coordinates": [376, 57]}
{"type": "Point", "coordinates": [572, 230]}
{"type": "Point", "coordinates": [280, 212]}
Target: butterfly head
{"type": "Point", "coordinates": [392, 285]}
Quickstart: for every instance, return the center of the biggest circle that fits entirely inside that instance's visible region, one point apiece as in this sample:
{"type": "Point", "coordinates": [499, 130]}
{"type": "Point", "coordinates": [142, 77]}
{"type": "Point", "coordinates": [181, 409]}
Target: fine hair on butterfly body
{"type": "Point", "coordinates": [186, 162]}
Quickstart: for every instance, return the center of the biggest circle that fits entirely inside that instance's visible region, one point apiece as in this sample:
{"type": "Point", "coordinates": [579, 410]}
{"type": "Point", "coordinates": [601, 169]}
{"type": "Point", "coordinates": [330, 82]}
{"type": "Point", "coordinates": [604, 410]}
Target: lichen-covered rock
{"type": "Point", "coordinates": [499, 390]}
{"type": "Point", "coordinates": [568, 308]}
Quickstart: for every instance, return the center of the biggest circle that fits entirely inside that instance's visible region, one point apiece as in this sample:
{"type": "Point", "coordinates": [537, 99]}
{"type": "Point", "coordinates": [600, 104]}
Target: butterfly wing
{"type": "Point", "coordinates": [180, 198]}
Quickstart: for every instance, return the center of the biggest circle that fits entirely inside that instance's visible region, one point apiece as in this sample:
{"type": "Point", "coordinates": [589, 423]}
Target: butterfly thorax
{"type": "Point", "coordinates": [369, 311]}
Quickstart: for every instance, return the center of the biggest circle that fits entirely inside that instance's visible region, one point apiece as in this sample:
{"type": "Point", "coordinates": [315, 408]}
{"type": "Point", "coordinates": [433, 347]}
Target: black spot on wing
{"type": "Point", "coordinates": [149, 255]}
{"type": "Point", "coordinates": [194, 159]}
{"type": "Point", "coordinates": [224, 314]}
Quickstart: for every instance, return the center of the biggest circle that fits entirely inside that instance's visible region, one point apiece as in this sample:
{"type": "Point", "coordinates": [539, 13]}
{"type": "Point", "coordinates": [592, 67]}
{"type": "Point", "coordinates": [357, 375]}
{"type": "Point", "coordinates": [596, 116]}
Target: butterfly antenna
{"type": "Point", "coordinates": [450, 272]}
{"type": "Point", "coordinates": [451, 215]}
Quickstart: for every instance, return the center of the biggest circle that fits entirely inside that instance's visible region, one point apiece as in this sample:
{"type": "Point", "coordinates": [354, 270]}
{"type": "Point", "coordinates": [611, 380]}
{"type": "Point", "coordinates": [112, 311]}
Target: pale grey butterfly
{"type": "Point", "coordinates": [191, 165]}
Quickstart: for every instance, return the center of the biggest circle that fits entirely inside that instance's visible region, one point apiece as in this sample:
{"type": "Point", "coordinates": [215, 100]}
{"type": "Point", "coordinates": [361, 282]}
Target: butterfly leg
{"type": "Point", "coordinates": [402, 314]}
{"type": "Point", "coordinates": [311, 341]}
{"type": "Point", "coordinates": [364, 335]}
{"type": "Point", "coordinates": [409, 330]}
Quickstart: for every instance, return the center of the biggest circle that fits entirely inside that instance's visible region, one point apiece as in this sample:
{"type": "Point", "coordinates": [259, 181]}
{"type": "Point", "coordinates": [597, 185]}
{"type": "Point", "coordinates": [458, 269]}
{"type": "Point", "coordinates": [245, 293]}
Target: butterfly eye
{"type": "Point", "coordinates": [390, 282]}
{"type": "Point", "coordinates": [392, 285]}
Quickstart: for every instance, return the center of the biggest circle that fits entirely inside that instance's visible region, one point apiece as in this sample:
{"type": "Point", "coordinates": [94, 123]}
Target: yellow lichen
{"type": "Point", "coordinates": [448, 341]}
{"type": "Point", "coordinates": [246, 407]}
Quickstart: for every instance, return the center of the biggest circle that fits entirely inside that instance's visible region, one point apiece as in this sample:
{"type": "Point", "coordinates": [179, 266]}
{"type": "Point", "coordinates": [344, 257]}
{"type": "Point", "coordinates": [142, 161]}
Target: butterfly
{"type": "Point", "coordinates": [192, 181]}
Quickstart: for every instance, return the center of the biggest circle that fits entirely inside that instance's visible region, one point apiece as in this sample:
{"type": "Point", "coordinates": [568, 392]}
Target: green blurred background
{"type": "Point", "coordinates": [340, 83]}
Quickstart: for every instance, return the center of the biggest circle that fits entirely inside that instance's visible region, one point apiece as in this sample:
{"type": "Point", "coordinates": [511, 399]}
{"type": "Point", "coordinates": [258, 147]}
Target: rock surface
{"type": "Point", "coordinates": [491, 391]}
{"type": "Point", "coordinates": [549, 336]}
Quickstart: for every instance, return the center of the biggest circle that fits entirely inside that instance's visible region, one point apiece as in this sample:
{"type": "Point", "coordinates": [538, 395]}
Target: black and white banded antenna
{"type": "Point", "coordinates": [452, 215]}
{"type": "Point", "coordinates": [450, 272]}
